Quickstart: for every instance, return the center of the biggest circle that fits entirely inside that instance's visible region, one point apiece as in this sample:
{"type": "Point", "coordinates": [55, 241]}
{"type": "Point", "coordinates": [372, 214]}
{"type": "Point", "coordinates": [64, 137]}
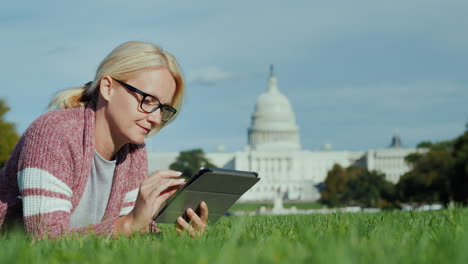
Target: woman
{"type": "Point", "coordinates": [83, 167]}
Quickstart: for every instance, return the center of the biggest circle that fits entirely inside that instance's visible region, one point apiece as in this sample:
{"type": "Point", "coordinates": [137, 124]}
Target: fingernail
{"type": "Point", "coordinates": [190, 211]}
{"type": "Point", "coordinates": [179, 219]}
{"type": "Point", "coordinates": [181, 180]}
{"type": "Point", "coordinates": [178, 173]}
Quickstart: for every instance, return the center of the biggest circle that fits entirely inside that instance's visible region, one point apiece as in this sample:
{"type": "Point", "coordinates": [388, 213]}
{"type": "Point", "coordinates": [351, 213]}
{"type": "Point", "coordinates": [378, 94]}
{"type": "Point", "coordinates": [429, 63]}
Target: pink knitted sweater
{"type": "Point", "coordinates": [46, 175]}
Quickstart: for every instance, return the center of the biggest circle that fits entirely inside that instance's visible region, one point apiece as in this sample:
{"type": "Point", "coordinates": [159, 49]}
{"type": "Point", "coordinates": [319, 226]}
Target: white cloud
{"type": "Point", "coordinates": [213, 74]}
{"type": "Point", "coordinates": [209, 75]}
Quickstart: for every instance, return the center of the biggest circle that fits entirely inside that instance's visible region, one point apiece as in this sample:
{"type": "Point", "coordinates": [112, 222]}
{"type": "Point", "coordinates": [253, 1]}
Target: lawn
{"type": "Point", "coordinates": [256, 206]}
{"type": "Point", "coordinates": [386, 237]}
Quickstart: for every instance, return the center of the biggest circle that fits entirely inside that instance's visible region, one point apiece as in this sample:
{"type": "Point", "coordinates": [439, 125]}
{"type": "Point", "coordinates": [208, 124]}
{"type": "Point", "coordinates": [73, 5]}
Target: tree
{"type": "Point", "coordinates": [441, 174]}
{"type": "Point", "coordinates": [459, 172]}
{"type": "Point", "coordinates": [189, 162]}
{"type": "Point", "coordinates": [8, 135]}
{"type": "Point", "coordinates": [336, 184]}
{"type": "Point", "coordinates": [428, 181]}
{"type": "Point", "coordinates": [370, 189]}
{"type": "Point", "coordinates": [357, 186]}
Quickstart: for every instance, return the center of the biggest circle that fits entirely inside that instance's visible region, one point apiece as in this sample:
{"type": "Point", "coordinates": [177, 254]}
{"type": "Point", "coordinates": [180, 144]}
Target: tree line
{"type": "Point", "coordinates": [439, 175]}
{"type": "Point", "coordinates": [8, 135]}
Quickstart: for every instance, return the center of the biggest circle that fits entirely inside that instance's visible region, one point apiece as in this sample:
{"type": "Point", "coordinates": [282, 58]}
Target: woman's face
{"type": "Point", "coordinates": [128, 123]}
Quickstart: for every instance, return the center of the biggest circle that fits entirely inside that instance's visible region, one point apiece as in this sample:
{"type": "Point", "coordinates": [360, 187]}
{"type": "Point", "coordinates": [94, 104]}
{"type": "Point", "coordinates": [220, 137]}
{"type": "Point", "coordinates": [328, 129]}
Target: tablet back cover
{"type": "Point", "coordinates": [219, 189]}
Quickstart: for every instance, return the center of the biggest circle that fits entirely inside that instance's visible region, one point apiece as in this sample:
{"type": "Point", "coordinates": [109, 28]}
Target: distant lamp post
{"type": "Point", "coordinates": [278, 201]}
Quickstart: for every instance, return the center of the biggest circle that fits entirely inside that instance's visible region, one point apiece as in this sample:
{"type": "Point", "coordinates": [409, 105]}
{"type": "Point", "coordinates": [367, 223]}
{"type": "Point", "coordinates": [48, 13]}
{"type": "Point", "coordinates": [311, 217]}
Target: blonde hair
{"type": "Point", "coordinates": [122, 63]}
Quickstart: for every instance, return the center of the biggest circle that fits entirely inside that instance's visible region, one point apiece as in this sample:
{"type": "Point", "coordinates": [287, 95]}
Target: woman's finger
{"type": "Point", "coordinates": [165, 173]}
{"type": "Point", "coordinates": [160, 200]}
{"type": "Point", "coordinates": [151, 195]}
{"type": "Point", "coordinates": [186, 226]}
{"type": "Point", "coordinates": [162, 192]}
{"type": "Point", "coordinates": [162, 175]}
{"type": "Point", "coordinates": [161, 186]}
{"type": "Point", "coordinates": [178, 228]}
{"type": "Point", "coordinates": [197, 223]}
{"type": "Point", "coordinates": [164, 196]}
{"type": "Point", "coordinates": [204, 212]}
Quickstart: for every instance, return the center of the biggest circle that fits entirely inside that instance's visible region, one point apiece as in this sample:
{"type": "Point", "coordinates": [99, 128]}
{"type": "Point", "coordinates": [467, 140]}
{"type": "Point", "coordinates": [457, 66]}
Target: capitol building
{"type": "Point", "coordinates": [274, 151]}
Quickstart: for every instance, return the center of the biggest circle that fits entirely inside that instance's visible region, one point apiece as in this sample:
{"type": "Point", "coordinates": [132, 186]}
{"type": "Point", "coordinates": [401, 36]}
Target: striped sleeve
{"type": "Point", "coordinates": [47, 206]}
{"type": "Point", "coordinates": [42, 192]}
{"type": "Point", "coordinates": [129, 202]}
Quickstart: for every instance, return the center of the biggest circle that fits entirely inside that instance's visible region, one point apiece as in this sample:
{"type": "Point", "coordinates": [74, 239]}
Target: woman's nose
{"type": "Point", "coordinates": [155, 117]}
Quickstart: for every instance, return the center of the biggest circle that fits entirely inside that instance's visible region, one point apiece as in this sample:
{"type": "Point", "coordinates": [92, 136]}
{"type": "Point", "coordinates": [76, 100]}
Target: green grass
{"type": "Point", "coordinates": [256, 206]}
{"type": "Point", "coordinates": [386, 237]}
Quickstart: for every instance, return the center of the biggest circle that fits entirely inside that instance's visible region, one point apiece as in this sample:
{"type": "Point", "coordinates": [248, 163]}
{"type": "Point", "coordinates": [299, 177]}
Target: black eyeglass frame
{"type": "Point", "coordinates": [163, 107]}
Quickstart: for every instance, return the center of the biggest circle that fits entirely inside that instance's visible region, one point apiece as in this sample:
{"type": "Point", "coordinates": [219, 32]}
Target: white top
{"type": "Point", "coordinates": [93, 203]}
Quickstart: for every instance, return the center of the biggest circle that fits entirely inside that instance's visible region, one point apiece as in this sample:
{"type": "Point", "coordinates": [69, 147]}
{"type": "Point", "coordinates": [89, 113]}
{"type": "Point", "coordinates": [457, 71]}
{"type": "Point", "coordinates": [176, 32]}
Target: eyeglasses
{"type": "Point", "coordinates": [149, 103]}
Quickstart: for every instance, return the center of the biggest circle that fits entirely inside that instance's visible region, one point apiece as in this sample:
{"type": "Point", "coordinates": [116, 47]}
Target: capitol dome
{"type": "Point", "coordinates": [273, 122]}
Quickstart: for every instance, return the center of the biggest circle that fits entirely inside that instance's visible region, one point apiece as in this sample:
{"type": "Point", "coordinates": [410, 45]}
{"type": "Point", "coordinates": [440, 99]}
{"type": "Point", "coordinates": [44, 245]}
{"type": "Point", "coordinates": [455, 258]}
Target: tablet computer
{"type": "Point", "coordinates": [219, 188]}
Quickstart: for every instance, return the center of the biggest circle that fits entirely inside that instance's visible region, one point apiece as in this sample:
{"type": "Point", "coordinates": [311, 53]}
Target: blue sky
{"type": "Point", "coordinates": [355, 72]}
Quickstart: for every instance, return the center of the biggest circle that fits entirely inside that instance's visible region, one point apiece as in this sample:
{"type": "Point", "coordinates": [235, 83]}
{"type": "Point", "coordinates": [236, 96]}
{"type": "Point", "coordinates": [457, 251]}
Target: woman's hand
{"type": "Point", "coordinates": [199, 222]}
{"type": "Point", "coordinates": [153, 192]}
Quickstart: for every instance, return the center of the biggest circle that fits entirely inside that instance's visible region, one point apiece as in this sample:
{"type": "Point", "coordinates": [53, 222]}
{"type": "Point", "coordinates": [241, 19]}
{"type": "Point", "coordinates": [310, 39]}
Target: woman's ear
{"type": "Point", "coordinates": [105, 87]}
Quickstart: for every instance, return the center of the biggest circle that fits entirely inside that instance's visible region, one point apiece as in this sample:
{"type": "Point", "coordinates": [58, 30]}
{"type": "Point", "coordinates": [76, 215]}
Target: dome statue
{"type": "Point", "coordinates": [273, 124]}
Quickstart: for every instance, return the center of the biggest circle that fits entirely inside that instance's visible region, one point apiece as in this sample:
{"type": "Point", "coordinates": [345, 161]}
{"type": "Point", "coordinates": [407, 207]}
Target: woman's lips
{"type": "Point", "coordinates": [144, 128]}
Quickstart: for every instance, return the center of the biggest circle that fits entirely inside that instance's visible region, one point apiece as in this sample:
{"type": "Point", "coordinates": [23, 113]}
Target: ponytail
{"type": "Point", "coordinates": [70, 98]}
{"type": "Point", "coordinates": [74, 97]}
